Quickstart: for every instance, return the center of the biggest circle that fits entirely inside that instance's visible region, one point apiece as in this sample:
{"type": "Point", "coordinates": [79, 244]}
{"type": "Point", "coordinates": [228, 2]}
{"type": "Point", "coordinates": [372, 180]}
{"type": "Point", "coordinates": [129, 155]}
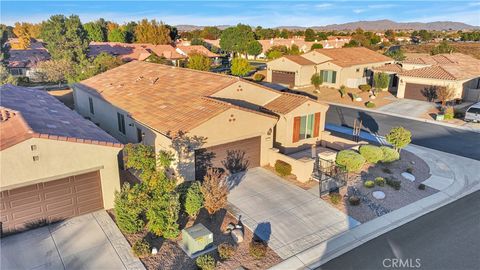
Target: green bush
{"type": "Point", "coordinates": [380, 181]}
{"type": "Point", "coordinates": [350, 160]}
{"type": "Point", "coordinates": [258, 77]}
{"type": "Point", "coordinates": [205, 262]}
{"type": "Point", "coordinates": [389, 154]}
{"type": "Point", "coordinates": [283, 168]}
{"type": "Point", "coordinates": [141, 248]}
{"type": "Point", "coordinates": [409, 170]}
{"type": "Point", "coordinates": [399, 137]}
{"type": "Point", "coordinates": [257, 249]}
{"type": "Point", "coordinates": [226, 251]}
{"type": "Point", "coordinates": [162, 214]}
{"type": "Point", "coordinates": [365, 87]}
{"type": "Point", "coordinates": [371, 153]}
{"type": "Point", "coordinates": [128, 208]}
{"type": "Point", "coordinates": [335, 198]}
{"type": "Point", "coordinates": [194, 199]}
{"type": "Point", "coordinates": [370, 104]}
{"type": "Point", "coordinates": [342, 90]}
{"type": "Point", "coordinates": [421, 186]}
{"type": "Point", "coordinates": [369, 184]}
{"type": "Point", "coordinates": [449, 113]}
{"type": "Point", "coordinates": [395, 184]}
{"type": "Point", "coordinates": [354, 200]}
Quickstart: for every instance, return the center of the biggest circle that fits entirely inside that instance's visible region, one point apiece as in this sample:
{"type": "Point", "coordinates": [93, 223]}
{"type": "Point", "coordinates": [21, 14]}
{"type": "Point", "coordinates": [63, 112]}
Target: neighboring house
{"type": "Point", "coordinates": [54, 163]}
{"type": "Point", "coordinates": [457, 71]}
{"type": "Point", "coordinates": [345, 66]}
{"type": "Point", "coordinates": [304, 46]}
{"type": "Point", "coordinates": [134, 51]}
{"type": "Point", "coordinates": [22, 63]}
{"type": "Point", "coordinates": [230, 122]}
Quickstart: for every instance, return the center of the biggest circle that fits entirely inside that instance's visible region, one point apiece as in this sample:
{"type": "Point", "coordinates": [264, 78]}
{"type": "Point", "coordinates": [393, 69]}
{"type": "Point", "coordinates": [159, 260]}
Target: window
{"type": "Point", "coordinates": [328, 76]}
{"type": "Point", "coordinates": [121, 122]}
{"type": "Point", "coordinates": [306, 126]}
{"type": "Point", "coordinates": [90, 102]}
{"type": "Point", "coordinates": [474, 110]}
{"type": "Point", "coordinates": [139, 135]}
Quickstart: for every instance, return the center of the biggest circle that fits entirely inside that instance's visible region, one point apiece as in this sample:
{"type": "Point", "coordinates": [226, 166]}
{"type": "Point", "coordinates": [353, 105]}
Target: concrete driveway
{"type": "Point", "coordinates": [290, 218]}
{"type": "Point", "coordinates": [408, 107]}
{"type": "Point", "coordinates": [90, 241]}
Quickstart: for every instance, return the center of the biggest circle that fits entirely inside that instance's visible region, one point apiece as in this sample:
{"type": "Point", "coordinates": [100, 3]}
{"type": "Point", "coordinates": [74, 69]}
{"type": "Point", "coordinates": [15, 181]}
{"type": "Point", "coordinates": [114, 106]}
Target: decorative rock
{"type": "Point", "coordinates": [373, 97]}
{"type": "Point", "coordinates": [237, 236]}
{"type": "Point", "coordinates": [238, 226]}
{"type": "Point", "coordinates": [154, 250]}
{"type": "Point", "coordinates": [358, 99]}
{"type": "Point", "coordinates": [379, 195]}
{"type": "Point", "coordinates": [408, 176]}
{"type": "Point", "coordinates": [412, 162]}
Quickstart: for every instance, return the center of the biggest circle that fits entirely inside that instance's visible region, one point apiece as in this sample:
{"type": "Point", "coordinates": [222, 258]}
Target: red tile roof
{"type": "Point", "coordinates": [299, 60]}
{"type": "Point", "coordinates": [28, 58]}
{"type": "Point", "coordinates": [286, 103]}
{"type": "Point", "coordinates": [28, 113]}
{"type": "Point", "coordinates": [396, 68]}
{"type": "Point", "coordinates": [346, 57]}
{"type": "Point", "coordinates": [196, 48]}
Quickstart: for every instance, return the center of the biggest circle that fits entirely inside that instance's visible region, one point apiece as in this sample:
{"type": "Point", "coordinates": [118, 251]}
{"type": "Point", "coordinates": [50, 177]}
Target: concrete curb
{"type": "Point", "coordinates": [407, 117]}
{"type": "Point", "coordinates": [461, 186]}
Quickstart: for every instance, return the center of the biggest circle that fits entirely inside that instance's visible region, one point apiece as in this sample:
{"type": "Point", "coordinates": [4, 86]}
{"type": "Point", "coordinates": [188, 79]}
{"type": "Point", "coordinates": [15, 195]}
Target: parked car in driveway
{"type": "Point", "coordinates": [473, 113]}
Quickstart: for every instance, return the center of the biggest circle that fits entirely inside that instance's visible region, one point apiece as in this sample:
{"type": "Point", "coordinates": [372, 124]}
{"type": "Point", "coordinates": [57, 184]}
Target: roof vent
{"type": "Point", "coordinates": [154, 80]}
{"type": "Point", "coordinates": [162, 106]}
{"type": "Point", "coordinates": [51, 126]}
{"type": "Point", "coordinates": [66, 122]}
{"type": "Point", "coordinates": [53, 111]}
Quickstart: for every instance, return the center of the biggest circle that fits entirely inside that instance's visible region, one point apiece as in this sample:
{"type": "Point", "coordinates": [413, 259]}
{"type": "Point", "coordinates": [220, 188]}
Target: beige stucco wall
{"type": "Point", "coordinates": [247, 95]}
{"type": "Point", "coordinates": [458, 86]}
{"type": "Point", "coordinates": [303, 74]}
{"type": "Point", "coordinates": [301, 168]}
{"type": "Point", "coordinates": [284, 127]}
{"type": "Point", "coordinates": [58, 159]}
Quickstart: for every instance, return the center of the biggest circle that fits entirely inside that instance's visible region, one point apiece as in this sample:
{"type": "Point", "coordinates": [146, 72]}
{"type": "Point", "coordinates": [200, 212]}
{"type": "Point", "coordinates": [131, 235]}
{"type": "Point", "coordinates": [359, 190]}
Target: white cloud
{"type": "Point", "coordinates": [359, 10]}
{"type": "Point", "coordinates": [326, 5]}
{"type": "Point", "coordinates": [381, 6]}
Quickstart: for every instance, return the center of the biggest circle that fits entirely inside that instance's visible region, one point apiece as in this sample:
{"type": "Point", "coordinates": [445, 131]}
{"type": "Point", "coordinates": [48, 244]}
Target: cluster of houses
{"type": "Point", "coordinates": [352, 67]}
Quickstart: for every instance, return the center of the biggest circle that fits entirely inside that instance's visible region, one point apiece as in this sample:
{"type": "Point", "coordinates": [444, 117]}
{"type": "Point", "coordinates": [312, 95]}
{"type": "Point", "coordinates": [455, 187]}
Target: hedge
{"type": "Point", "coordinates": [371, 153]}
{"type": "Point", "coordinates": [350, 160]}
{"type": "Point", "coordinates": [365, 87]}
{"type": "Point", "coordinates": [258, 77]}
{"type": "Point", "coordinates": [389, 154]}
{"type": "Point", "coordinates": [283, 168]}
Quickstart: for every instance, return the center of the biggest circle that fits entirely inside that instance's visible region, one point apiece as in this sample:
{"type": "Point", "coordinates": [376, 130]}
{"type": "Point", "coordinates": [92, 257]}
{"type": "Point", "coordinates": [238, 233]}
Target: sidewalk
{"type": "Point", "coordinates": [456, 176]}
{"type": "Point", "coordinates": [474, 129]}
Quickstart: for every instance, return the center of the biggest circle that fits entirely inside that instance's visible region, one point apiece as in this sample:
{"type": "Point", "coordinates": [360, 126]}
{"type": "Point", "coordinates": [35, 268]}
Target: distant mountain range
{"type": "Point", "coordinates": [378, 25]}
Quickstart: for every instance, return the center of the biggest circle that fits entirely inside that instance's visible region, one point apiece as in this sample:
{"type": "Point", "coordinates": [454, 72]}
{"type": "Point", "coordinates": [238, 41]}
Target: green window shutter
{"type": "Point", "coordinates": [334, 77]}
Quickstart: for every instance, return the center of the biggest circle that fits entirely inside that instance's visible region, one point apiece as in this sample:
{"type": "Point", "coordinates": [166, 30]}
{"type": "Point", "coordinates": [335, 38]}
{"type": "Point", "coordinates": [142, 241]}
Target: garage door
{"type": "Point", "coordinates": [232, 157]}
{"type": "Point", "coordinates": [24, 207]}
{"type": "Point", "coordinates": [283, 77]}
{"type": "Point", "coordinates": [417, 91]}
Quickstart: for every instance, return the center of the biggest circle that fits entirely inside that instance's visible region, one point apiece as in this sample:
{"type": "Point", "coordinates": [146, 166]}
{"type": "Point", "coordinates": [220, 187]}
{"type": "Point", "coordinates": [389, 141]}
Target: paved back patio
{"type": "Point", "coordinates": [90, 241]}
{"type": "Point", "coordinates": [289, 218]}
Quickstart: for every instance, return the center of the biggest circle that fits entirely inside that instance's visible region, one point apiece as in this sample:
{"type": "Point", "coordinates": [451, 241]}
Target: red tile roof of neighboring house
{"type": "Point", "coordinates": [299, 60]}
{"type": "Point", "coordinates": [395, 68]}
{"type": "Point", "coordinates": [455, 66]}
{"type": "Point", "coordinates": [196, 48]}
{"type": "Point", "coordinates": [346, 57]}
{"type": "Point", "coordinates": [28, 58]}
{"type": "Point", "coordinates": [32, 113]}
{"type": "Point", "coordinates": [170, 99]}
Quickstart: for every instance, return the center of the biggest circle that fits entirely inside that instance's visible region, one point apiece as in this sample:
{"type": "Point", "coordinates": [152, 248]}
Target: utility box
{"type": "Point", "coordinates": [196, 239]}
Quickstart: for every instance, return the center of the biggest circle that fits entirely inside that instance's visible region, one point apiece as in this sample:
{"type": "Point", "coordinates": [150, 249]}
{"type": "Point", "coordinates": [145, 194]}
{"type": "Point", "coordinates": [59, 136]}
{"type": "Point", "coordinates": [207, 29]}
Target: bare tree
{"type": "Point", "coordinates": [215, 190]}
{"type": "Point", "coordinates": [445, 94]}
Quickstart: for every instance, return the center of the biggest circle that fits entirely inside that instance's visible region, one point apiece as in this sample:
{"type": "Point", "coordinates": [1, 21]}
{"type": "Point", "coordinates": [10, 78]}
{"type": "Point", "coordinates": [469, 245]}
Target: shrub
{"type": "Point", "coordinates": [369, 184]}
{"type": "Point", "coordinates": [380, 181]}
{"type": "Point", "coordinates": [141, 248]}
{"type": "Point", "coordinates": [226, 251]}
{"type": "Point", "coordinates": [409, 170]}
{"type": "Point", "coordinates": [162, 214]}
{"type": "Point", "coordinates": [370, 104]}
{"type": "Point", "coordinates": [395, 184]}
{"type": "Point", "coordinates": [381, 80]}
{"type": "Point", "coordinates": [258, 77]}
{"type": "Point", "coordinates": [194, 199]}
{"type": "Point", "coordinates": [335, 198]}
{"type": "Point", "coordinates": [399, 137]}
{"type": "Point", "coordinates": [316, 80]}
{"type": "Point", "coordinates": [354, 200]}
{"type": "Point", "coordinates": [371, 153]}
{"type": "Point", "coordinates": [205, 262]}
{"type": "Point", "coordinates": [257, 249]}
{"type": "Point", "coordinates": [350, 160]}
{"type": "Point", "coordinates": [421, 186]}
{"type": "Point", "coordinates": [365, 87]}
{"type": "Point", "coordinates": [215, 190]}
{"type": "Point", "coordinates": [283, 168]}
{"type": "Point", "coordinates": [449, 113]}
{"type": "Point", "coordinates": [389, 155]}
{"type": "Point", "coordinates": [387, 170]}
{"type": "Point", "coordinates": [342, 90]}
{"type": "Point", "coordinates": [128, 209]}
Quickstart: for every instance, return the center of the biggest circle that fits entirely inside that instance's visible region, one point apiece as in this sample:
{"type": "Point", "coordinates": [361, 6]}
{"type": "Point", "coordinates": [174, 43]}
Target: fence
{"type": "Point", "coordinates": [331, 177]}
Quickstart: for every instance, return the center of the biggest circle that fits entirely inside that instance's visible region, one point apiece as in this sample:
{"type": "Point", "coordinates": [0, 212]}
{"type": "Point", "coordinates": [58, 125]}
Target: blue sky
{"type": "Point", "coordinates": [264, 13]}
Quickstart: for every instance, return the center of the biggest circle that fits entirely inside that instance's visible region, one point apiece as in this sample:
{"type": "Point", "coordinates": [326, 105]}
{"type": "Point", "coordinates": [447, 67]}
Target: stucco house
{"type": "Point", "coordinates": [54, 163]}
{"type": "Point", "coordinates": [23, 62]}
{"type": "Point", "coordinates": [205, 119]}
{"type": "Point", "coordinates": [411, 77]}
{"type": "Point", "coordinates": [344, 66]}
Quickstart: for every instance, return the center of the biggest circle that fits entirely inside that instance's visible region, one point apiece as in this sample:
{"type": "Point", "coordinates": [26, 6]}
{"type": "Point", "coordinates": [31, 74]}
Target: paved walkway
{"type": "Point", "coordinates": [290, 218]}
{"type": "Point", "coordinates": [456, 177]}
{"type": "Point", "coordinates": [408, 107]}
{"type": "Point", "coordinates": [90, 241]}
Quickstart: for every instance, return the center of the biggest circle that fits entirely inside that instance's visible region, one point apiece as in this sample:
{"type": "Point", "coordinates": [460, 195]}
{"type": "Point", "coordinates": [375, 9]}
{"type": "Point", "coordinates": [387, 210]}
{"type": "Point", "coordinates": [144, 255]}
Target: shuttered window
{"type": "Point", "coordinates": [121, 122]}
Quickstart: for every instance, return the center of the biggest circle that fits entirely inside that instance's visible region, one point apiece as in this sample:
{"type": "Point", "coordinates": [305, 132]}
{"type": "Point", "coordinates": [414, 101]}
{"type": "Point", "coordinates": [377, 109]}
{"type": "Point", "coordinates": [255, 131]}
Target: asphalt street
{"type": "Point", "coordinates": [445, 239]}
{"type": "Point", "coordinates": [447, 139]}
